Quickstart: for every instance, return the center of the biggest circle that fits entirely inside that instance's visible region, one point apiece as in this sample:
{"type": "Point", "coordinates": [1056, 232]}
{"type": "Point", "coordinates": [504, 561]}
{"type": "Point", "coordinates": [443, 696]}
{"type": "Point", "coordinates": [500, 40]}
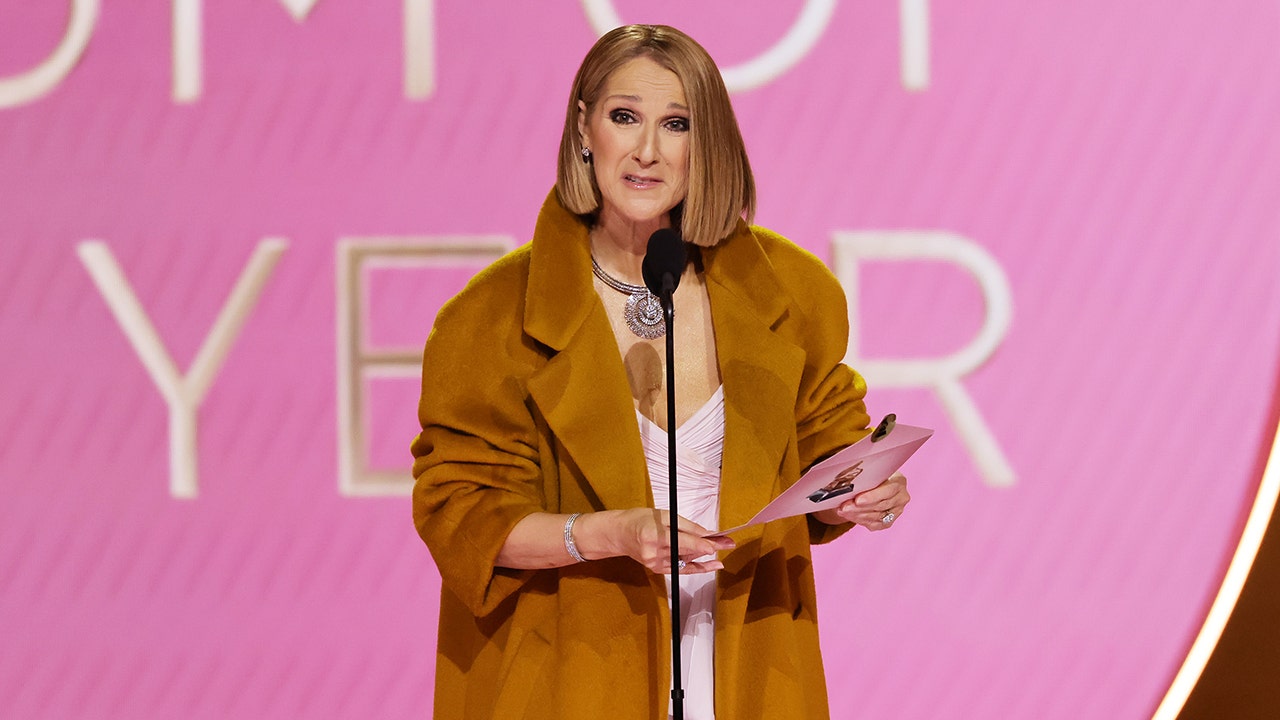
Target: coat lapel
{"type": "Point", "coordinates": [761, 372]}
{"type": "Point", "coordinates": [582, 391]}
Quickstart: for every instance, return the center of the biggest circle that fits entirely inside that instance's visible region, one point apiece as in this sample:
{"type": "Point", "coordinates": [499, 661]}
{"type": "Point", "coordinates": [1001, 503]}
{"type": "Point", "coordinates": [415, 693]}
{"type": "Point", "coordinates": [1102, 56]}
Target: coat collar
{"type": "Point", "coordinates": [560, 295]}
{"type": "Point", "coordinates": [583, 390]}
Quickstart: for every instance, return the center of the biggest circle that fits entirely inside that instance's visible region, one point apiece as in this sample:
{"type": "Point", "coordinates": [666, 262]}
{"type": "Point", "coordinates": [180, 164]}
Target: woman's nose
{"type": "Point", "coordinates": [646, 152]}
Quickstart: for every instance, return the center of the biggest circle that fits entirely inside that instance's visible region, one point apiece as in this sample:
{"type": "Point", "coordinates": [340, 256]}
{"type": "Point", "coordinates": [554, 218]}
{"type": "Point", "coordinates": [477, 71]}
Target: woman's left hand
{"type": "Point", "coordinates": [874, 509]}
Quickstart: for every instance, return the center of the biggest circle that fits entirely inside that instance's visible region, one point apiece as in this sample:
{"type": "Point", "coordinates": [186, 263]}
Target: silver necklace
{"type": "Point", "coordinates": [643, 311]}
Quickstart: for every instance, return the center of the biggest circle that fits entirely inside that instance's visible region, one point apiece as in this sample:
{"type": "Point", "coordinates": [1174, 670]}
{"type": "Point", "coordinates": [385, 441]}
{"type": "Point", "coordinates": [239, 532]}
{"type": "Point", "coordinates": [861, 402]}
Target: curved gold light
{"type": "Point", "coordinates": [1232, 584]}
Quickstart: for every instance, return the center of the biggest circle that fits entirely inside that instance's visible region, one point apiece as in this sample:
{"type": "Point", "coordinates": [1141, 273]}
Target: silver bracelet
{"type": "Point", "coordinates": [569, 545]}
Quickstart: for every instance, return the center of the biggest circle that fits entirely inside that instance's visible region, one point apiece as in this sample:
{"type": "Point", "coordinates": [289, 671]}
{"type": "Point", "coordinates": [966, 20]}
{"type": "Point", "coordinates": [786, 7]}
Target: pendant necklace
{"type": "Point", "coordinates": [643, 311]}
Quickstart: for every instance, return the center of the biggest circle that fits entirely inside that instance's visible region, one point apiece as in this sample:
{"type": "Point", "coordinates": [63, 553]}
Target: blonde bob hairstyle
{"type": "Point", "coordinates": [721, 188]}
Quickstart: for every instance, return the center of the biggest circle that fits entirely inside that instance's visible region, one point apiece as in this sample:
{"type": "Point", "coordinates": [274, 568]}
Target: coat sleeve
{"type": "Point", "coordinates": [835, 416]}
{"type": "Point", "coordinates": [476, 461]}
{"type": "Point", "coordinates": [830, 409]}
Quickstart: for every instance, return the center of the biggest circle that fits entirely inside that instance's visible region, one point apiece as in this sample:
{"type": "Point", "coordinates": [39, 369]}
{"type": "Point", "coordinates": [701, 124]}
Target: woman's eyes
{"type": "Point", "coordinates": [626, 117]}
{"type": "Point", "coordinates": [622, 117]}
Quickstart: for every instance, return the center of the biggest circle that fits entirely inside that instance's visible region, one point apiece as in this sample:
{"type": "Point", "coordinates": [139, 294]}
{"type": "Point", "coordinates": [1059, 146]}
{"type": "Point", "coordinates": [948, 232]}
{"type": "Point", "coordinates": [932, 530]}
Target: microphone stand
{"type": "Point", "coordinates": [669, 312]}
{"type": "Point", "coordinates": [664, 263]}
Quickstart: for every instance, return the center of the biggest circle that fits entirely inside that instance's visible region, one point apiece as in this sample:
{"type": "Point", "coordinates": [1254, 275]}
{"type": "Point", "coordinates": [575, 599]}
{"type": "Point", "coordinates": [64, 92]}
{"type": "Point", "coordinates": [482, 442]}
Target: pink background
{"type": "Point", "coordinates": [1119, 160]}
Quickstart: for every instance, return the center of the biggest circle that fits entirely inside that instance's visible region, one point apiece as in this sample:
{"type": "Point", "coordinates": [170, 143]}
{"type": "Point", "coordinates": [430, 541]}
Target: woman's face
{"type": "Point", "coordinates": [638, 133]}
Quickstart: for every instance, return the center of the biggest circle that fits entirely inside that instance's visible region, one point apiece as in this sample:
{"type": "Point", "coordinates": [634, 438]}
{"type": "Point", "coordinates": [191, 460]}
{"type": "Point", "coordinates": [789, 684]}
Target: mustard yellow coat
{"type": "Point", "coordinates": [526, 407]}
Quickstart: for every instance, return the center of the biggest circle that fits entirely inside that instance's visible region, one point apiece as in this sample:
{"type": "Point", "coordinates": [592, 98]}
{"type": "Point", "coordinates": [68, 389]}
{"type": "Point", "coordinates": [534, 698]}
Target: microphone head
{"type": "Point", "coordinates": [663, 258]}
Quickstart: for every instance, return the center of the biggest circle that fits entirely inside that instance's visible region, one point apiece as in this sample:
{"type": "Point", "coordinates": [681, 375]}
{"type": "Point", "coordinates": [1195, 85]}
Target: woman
{"type": "Point", "coordinates": [543, 414]}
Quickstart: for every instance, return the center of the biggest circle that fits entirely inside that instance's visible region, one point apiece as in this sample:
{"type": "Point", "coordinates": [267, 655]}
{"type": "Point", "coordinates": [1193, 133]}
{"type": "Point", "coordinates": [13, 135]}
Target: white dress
{"type": "Point", "coordinates": [699, 452]}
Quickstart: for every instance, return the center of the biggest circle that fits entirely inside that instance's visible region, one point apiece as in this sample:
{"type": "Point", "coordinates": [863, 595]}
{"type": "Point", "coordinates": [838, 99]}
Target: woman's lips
{"type": "Point", "coordinates": [640, 181]}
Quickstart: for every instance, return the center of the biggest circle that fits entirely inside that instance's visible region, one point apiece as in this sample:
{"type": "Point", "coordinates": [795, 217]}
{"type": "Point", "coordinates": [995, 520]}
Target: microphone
{"type": "Point", "coordinates": [664, 260]}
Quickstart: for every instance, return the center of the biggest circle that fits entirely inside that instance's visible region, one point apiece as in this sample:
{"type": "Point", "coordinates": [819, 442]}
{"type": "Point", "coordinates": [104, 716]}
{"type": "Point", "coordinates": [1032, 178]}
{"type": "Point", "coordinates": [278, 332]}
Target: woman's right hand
{"type": "Point", "coordinates": [644, 535]}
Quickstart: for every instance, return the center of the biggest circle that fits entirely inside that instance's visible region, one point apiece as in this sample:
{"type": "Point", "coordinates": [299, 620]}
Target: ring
{"type": "Point", "coordinates": [888, 518]}
{"type": "Point", "coordinates": [680, 565]}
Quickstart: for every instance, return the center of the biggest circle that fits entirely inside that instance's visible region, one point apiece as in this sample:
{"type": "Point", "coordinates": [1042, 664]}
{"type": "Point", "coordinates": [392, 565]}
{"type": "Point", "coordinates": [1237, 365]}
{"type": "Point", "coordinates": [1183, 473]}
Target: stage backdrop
{"type": "Point", "coordinates": [225, 229]}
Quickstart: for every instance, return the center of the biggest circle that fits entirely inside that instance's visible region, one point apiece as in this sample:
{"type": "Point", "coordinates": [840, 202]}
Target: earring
{"type": "Point", "coordinates": [586, 154]}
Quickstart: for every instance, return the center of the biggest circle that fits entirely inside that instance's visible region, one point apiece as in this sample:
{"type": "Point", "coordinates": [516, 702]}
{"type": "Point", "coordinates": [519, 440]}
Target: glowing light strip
{"type": "Point", "coordinates": [1229, 593]}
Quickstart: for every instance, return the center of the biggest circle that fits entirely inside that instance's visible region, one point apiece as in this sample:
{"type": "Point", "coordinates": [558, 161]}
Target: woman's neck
{"type": "Point", "coordinates": [620, 247]}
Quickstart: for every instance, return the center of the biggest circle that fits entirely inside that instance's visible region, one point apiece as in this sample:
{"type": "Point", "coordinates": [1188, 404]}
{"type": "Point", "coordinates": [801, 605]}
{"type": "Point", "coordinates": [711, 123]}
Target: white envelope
{"type": "Point", "coordinates": [857, 468]}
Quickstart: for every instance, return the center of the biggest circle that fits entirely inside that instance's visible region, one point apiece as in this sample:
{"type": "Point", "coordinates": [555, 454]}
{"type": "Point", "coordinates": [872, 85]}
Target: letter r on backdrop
{"type": "Point", "coordinates": [942, 375]}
